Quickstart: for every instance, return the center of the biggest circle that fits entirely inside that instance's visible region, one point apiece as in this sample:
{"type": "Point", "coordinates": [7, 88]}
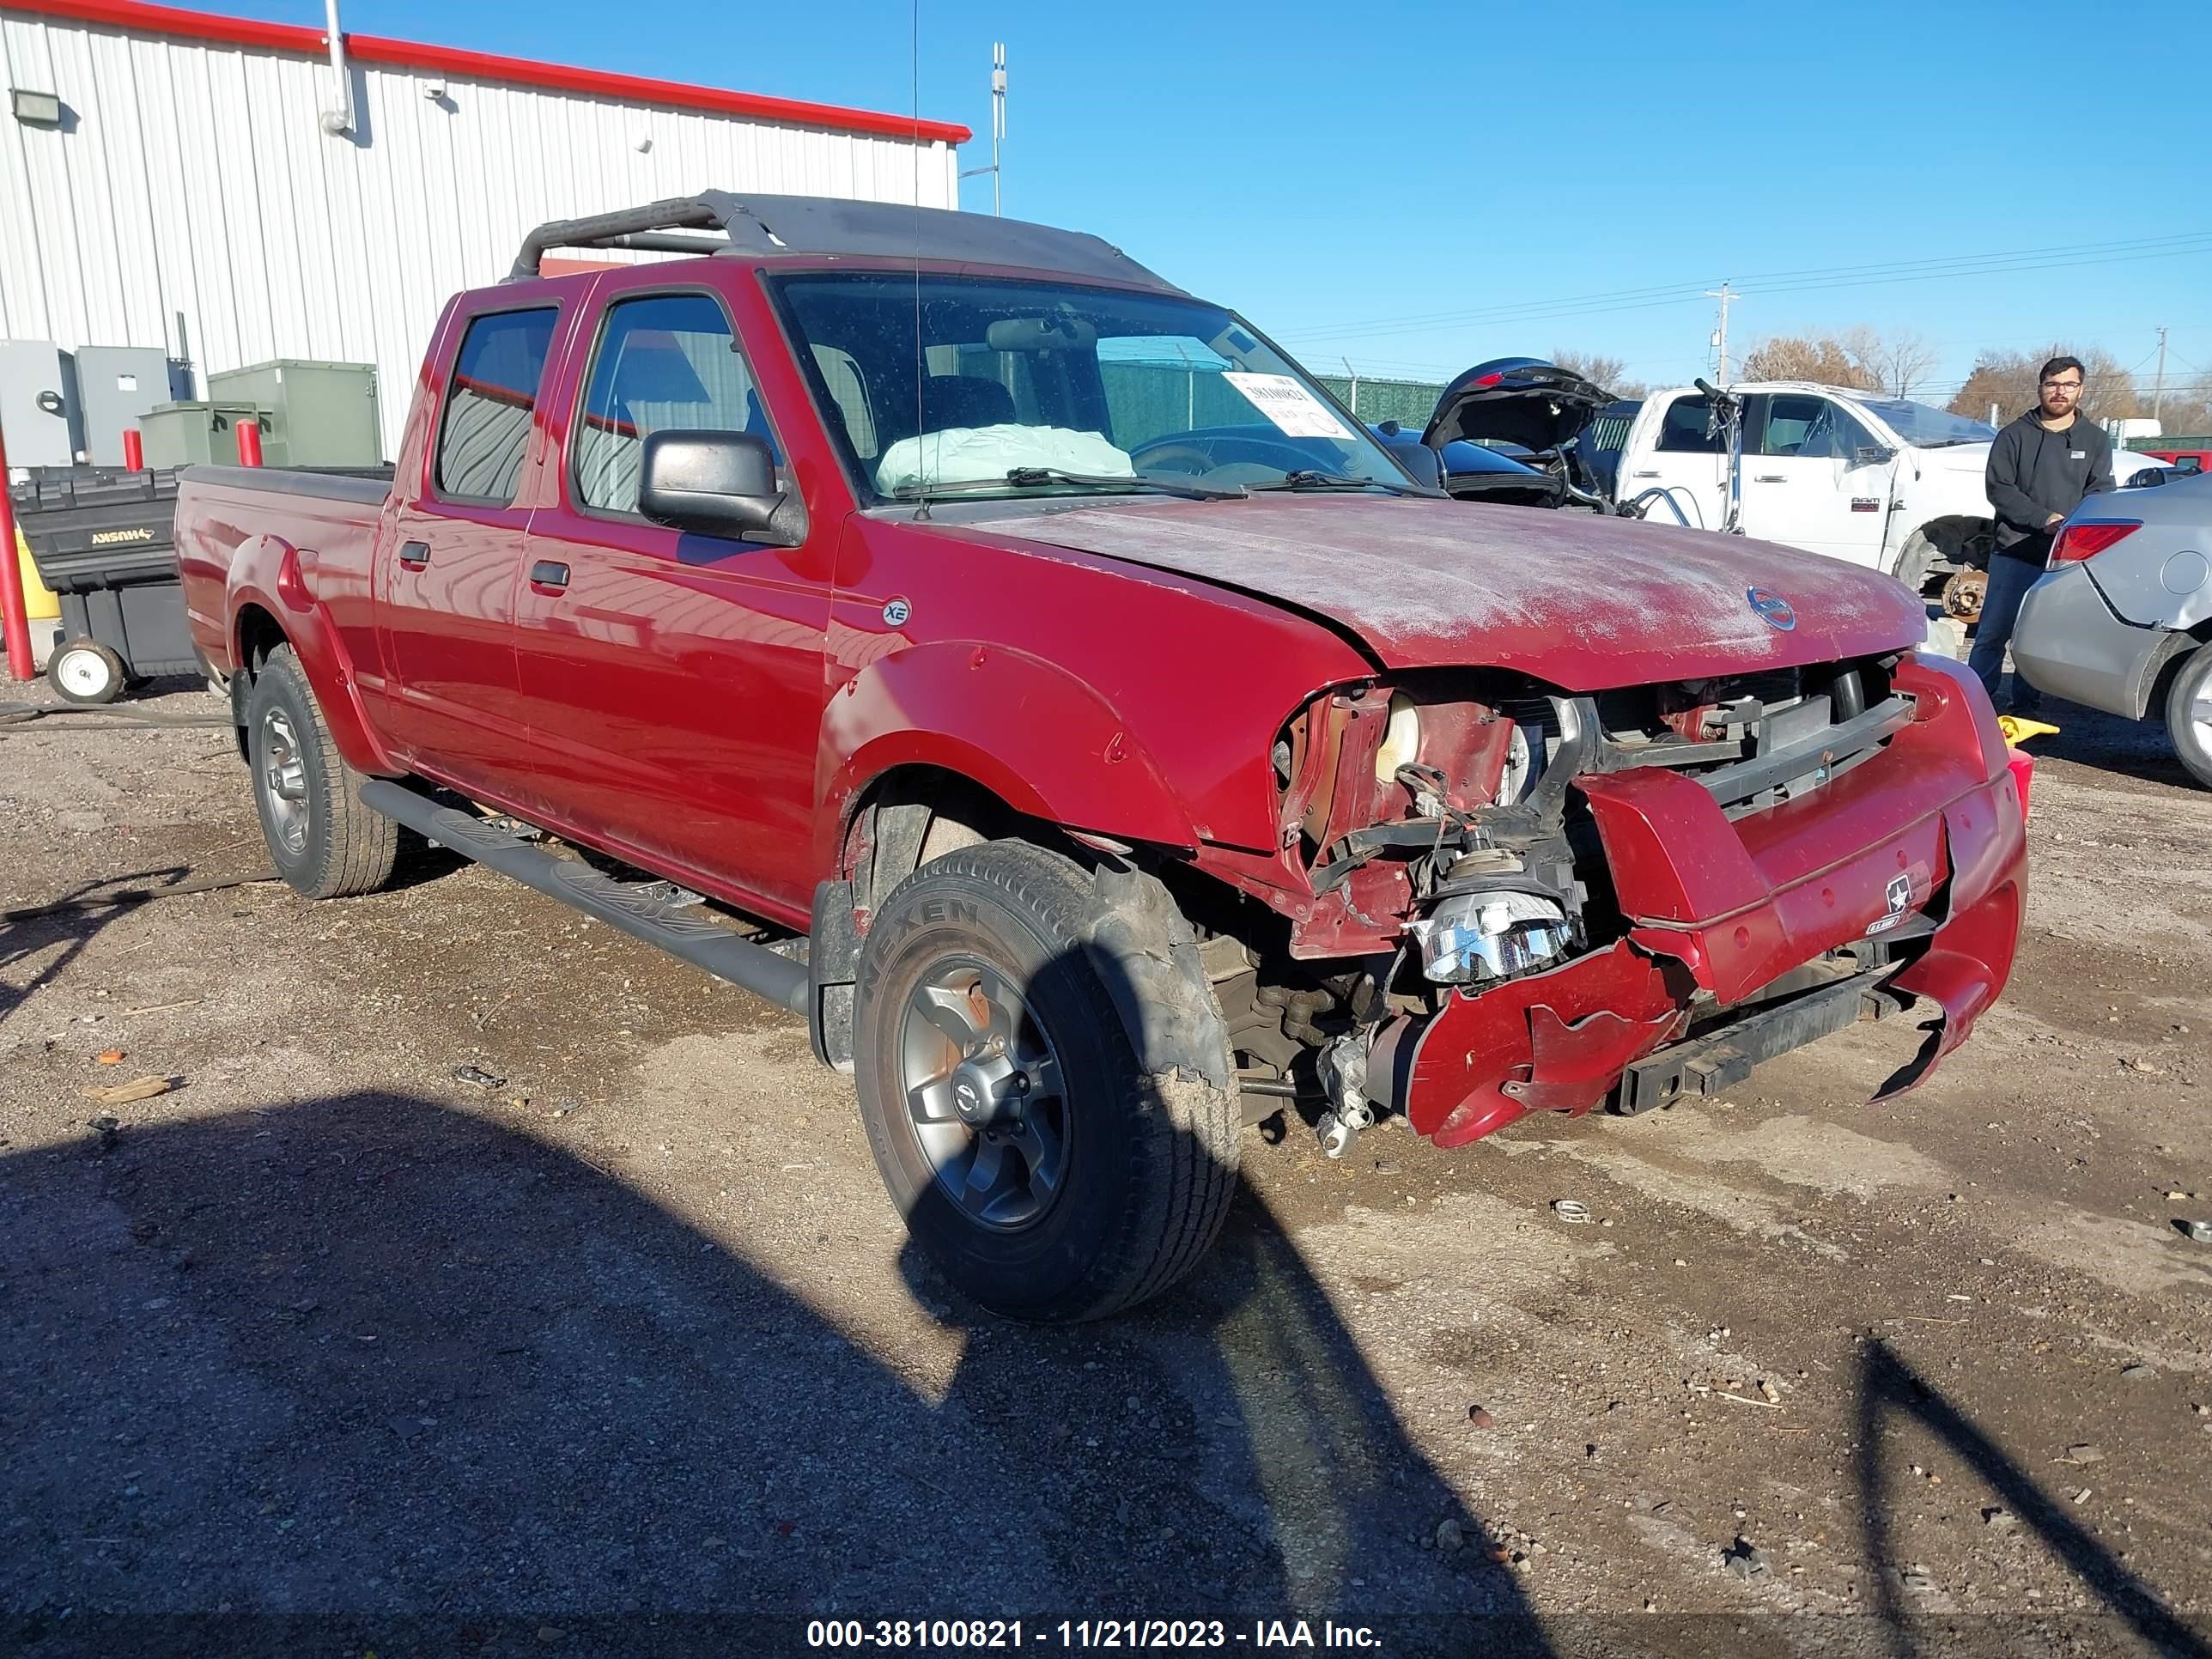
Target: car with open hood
{"type": "Point", "coordinates": [958, 634]}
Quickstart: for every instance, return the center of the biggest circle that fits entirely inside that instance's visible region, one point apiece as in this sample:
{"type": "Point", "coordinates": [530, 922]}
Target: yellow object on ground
{"type": "Point", "coordinates": [2018, 730]}
{"type": "Point", "coordinates": [38, 604]}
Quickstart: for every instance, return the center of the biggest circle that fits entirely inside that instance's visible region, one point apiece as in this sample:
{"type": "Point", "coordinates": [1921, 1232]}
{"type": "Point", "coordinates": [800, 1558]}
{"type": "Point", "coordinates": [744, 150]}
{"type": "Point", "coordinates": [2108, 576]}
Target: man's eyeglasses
{"type": "Point", "coordinates": [2061, 386]}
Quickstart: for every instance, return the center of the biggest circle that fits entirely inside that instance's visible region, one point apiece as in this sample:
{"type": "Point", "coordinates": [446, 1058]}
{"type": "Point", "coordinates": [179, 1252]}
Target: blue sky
{"type": "Point", "coordinates": [1419, 186]}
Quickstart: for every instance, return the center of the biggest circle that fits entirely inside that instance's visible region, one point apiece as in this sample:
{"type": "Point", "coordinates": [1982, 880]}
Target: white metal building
{"type": "Point", "coordinates": [179, 165]}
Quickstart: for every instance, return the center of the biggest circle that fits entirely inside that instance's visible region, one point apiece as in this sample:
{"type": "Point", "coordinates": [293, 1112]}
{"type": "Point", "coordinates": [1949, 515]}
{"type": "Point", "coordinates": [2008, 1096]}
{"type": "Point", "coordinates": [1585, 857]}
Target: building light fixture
{"type": "Point", "coordinates": [35, 109]}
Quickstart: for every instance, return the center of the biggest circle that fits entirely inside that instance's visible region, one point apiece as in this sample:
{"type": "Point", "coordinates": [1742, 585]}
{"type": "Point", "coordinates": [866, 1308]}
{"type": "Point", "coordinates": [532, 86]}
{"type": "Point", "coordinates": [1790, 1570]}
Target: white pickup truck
{"type": "Point", "coordinates": [1885, 483]}
{"type": "Point", "coordinates": [1874, 480]}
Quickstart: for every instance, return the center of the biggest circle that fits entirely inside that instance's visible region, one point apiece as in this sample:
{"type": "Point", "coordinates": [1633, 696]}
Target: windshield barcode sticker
{"type": "Point", "coordinates": [1296, 411]}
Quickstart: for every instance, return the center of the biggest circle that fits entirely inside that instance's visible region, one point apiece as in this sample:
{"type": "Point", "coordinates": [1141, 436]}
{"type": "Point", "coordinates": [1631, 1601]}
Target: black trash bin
{"type": "Point", "coordinates": [104, 542]}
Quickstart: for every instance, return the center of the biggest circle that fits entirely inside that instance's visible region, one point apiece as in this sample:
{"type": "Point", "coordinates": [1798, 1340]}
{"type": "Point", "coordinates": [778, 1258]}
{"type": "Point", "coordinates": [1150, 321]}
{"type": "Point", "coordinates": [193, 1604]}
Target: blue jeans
{"type": "Point", "coordinates": [2010, 580]}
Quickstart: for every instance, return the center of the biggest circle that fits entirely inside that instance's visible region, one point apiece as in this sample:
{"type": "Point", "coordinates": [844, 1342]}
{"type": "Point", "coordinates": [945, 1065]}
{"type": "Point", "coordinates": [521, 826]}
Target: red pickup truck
{"type": "Point", "coordinates": [1022, 669]}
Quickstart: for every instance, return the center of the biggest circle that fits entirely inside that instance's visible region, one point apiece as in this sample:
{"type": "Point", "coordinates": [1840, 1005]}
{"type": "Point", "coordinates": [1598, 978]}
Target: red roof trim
{"type": "Point", "coordinates": [488, 66]}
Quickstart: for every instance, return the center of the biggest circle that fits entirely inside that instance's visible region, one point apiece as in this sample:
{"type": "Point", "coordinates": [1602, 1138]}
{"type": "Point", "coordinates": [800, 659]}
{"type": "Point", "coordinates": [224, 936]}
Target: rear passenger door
{"type": "Point", "coordinates": [1687, 462]}
{"type": "Point", "coordinates": [446, 581]}
{"type": "Point", "coordinates": [673, 682]}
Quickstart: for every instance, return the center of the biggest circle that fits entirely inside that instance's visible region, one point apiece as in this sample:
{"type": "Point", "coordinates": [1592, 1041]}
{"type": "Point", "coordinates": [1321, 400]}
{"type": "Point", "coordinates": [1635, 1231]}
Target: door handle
{"type": "Point", "coordinates": [1771, 478]}
{"type": "Point", "coordinates": [414, 556]}
{"type": "Point", "coordinates": [549, 574]}
{"type": "Point", "coordinates": [1646, 473]}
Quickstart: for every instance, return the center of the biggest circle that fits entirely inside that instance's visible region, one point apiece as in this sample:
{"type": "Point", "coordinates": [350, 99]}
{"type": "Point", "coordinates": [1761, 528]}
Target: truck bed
{"type": "Point", "coordinates": [329, 517]}
{"type": "Point", "coordinates": [366, 485]}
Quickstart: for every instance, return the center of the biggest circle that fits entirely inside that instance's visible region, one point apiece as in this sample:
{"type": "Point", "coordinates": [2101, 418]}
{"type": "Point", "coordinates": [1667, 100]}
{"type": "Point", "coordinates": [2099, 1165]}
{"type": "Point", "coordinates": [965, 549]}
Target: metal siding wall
{"type": "Point", "coordinates": [196, 179]}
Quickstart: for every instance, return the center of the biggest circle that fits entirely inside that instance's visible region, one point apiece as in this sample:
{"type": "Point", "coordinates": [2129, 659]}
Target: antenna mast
{"type": "Point", "coordinates": [998, 123]}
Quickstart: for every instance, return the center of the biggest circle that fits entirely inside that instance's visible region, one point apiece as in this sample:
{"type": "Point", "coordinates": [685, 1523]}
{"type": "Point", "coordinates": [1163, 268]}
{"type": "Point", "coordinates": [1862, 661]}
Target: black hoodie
{"type": "Point", "coordinates": [2034, 472]}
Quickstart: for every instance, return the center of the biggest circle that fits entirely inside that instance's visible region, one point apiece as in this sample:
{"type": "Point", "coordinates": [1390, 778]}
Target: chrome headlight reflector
{"type": "Point", "coordinates": [1489, 936]}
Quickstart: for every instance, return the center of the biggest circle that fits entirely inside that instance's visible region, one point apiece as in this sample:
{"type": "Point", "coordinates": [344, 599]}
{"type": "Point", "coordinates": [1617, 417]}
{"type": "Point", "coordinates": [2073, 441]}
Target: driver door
{"type": "Point", "coordinates": [1815, 477]}
{"type": "Point", "coordinates": [673, 682]}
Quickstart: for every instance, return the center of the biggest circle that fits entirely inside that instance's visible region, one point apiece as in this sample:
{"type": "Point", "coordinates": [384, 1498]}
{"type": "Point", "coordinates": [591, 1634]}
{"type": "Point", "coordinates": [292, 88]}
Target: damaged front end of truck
{"type": "Point", "coordinates": [1498, 897]}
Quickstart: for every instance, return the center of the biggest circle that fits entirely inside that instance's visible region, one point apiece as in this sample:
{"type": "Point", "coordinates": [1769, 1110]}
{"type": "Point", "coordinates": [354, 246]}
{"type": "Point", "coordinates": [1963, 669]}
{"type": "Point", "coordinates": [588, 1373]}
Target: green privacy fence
{"type": "Point", "coordinates": [1409, 402]}
{"type": "Point", "coordinates": [1159, 400]}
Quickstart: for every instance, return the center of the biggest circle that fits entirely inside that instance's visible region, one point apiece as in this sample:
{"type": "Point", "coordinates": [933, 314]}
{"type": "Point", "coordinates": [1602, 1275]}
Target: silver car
{"type": "Point", "coordinates": [2118, 623]}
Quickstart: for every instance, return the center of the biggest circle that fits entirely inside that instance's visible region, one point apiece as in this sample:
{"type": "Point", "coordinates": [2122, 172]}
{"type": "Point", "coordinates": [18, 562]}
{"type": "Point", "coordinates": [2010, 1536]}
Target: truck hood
{"type": "Point", "coordinates": [1954, 457]}
{"type": "Point", "coordinates": [1582, 602]}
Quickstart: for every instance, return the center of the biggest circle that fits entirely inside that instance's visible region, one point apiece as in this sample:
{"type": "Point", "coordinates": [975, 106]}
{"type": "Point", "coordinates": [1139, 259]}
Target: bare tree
{"type": "Point", "coordinates": [1894, 363]}
{"type": "Point", "coordinates": [2007, 378]}
{"type": "Point", "coordinates": [1823, 359]}
{"type": "Point", "coordinates": [1601, 370]}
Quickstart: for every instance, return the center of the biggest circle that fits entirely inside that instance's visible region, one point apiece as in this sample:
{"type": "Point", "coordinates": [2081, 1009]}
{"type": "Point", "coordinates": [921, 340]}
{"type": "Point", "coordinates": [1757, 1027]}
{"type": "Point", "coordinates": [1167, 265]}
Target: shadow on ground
{"type": "Point", "coordinates": [1891, 1392]}
{"type": "Point", "coordinates": [64, 925]}
{"type": "Point", "coordinates": [370, 1355]}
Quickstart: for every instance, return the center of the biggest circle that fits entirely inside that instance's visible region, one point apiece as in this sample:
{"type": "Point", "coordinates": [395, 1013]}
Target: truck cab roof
{"type": "Point", "coordinates": [769, 227]}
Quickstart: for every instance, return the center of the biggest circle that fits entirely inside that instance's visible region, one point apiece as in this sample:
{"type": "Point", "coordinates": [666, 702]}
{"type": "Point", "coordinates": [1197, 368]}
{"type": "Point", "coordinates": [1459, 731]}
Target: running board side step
{"type": "Point", "coordinates": [754, 967]}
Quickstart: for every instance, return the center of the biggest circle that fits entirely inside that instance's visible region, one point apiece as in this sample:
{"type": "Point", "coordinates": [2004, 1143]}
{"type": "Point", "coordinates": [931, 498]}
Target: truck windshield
{"type": "Point", "coordinates": [1924, 428]}
{"type": "Point", "coordinates": [946, 380]}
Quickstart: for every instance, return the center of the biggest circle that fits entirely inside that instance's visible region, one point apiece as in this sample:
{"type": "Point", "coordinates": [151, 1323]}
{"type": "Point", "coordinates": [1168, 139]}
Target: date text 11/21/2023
{"type": "Point", "coordinates": [952, 1635]}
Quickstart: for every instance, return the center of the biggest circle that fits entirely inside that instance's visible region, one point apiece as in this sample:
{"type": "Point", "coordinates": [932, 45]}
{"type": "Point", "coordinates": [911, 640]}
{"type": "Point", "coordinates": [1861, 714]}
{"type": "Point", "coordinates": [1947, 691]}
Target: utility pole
{"type": "Point", "coordinates": [997, 123]}
{"type": "Point", "coordinates": [1352, 375]}
{"type": "Point", "coordinates": [2158, 386]}
{"type": "Point", "coordinates": [1726, 295]}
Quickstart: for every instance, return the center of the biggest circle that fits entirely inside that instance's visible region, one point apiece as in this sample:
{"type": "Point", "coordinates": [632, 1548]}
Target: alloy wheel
{"type": "Point", "coordinates": [984, 1094]}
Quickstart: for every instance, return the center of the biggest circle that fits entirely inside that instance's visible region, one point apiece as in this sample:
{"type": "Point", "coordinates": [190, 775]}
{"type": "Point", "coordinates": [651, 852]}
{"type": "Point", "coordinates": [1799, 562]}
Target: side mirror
{"type": "Point", "coordinates": [1872, 455]}
{"type": "Point", "coordinates": [714, 483]}
{"type": "Point", "coordinates": [1423, 462]}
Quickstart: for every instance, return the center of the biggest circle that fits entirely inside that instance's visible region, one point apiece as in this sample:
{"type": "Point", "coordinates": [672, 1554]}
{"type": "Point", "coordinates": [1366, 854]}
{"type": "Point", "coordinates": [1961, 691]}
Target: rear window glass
{"type": "Point", "coordinates": [1683, 431]}
{"type": "Point", "coordinates": [489, 402]}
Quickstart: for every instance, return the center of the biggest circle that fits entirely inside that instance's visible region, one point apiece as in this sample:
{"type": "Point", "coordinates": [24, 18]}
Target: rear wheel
{"type": "Point", "coordinates": [1046, 1170]}
{"type": "Point", "coordinates": [2188, 715]}
{"type": "Point", "coordinates": [323, 840]}
{"type": "Point", "coordinates": [87, 673]}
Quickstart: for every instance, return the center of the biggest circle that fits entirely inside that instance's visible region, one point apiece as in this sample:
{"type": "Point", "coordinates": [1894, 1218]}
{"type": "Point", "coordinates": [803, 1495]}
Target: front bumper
{"type": "Point", "coordinates": [1931, 826]}
{"type": "Point", "coordinates": [2070, 643]}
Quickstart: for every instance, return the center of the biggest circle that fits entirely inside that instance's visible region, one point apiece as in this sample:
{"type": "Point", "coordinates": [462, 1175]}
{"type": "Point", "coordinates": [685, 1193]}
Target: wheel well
{"type": "Point", "coordinates": [1959, 540]}
{"type": "Point", "coordinates": [259, 634]}
{"type": "Point", "coordinates": [914, 813]}
{"type": "Point", "coordinates": [2170, 669]}
{"type": "Point", "coordinates": [907, 816]}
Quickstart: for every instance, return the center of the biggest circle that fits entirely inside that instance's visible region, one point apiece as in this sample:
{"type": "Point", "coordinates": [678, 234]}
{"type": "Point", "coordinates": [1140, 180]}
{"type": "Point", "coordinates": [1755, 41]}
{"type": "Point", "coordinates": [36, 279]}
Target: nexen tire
{"type": "Point", "coordinates": [1148, 1160]}
{"type": "Point", "coordinates": [322, 839]}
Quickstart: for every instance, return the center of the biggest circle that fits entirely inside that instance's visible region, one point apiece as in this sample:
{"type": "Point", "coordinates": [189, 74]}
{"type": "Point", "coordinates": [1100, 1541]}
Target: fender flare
{"type": "Point", "coordinates": [275, 577]}
{"type": "Point", "coordinates": [1042, 741]}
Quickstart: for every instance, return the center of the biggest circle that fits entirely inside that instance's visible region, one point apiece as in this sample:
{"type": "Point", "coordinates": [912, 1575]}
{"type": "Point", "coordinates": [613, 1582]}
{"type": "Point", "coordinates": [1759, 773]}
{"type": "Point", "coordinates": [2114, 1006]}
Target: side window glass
{"type": "Point", "coordinates": [1851, 437]}
{"type": "Point", "coordinates": [666, 363]}
{"type": "Point", "coordinates": [1798, 425]}
{"type": "Point", "coordinates": [1682, 430]}
{"type": "Point", "coordinates": [485, 430]}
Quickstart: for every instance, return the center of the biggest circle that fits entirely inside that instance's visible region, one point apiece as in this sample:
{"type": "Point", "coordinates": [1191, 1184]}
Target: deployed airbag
{"type": "Point", "coordinates": [991, 451]}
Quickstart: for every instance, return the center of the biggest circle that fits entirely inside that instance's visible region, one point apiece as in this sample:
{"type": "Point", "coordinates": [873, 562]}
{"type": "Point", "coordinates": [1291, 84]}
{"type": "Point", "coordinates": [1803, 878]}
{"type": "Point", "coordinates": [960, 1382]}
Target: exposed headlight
{"type": "Point", "coordinates": [1480, 936]}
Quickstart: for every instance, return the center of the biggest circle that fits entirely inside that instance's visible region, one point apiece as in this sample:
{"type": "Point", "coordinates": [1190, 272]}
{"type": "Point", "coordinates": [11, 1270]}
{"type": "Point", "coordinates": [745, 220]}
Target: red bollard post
{"type": "Point", "coordinates": [14, 615]}
{"type": "Point", "coordinates": [249, 443]}
{"type": "Point", "coordinates": [134, 450]}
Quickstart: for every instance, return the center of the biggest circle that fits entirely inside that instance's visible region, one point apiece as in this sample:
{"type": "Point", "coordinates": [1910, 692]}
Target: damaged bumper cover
{"type": "Point", "coordinates": [1931, 828]}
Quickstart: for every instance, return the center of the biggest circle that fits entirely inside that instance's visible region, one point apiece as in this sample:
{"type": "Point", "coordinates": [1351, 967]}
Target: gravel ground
{"type": "Point", "coordinates": [326, 1330]}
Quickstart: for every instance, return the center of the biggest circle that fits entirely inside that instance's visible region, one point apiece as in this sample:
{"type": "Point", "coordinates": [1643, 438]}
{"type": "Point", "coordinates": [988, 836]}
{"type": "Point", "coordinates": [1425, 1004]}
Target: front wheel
{"type": "Point", "coordinates": [2188, 715]}
{"type": "Point", "coordinates": [1048, 1173]}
